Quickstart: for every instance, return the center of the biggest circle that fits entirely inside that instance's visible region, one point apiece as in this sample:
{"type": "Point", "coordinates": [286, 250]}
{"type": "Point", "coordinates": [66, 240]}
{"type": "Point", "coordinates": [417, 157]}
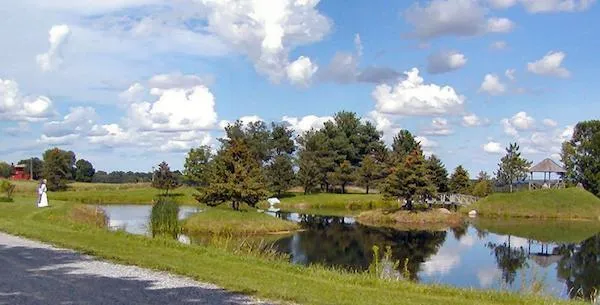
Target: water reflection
{"type": "Point", "coordinates": [135, 219]}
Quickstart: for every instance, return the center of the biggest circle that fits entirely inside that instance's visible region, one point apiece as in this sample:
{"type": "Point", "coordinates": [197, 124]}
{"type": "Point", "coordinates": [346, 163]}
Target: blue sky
{"type": "Point", "coordinates": [129, 83]}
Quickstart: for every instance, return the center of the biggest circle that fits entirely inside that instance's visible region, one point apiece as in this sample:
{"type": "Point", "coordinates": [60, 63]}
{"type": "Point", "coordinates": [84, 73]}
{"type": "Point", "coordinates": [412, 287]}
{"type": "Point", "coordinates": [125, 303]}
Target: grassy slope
{"type": "Point", "coordinates": [571, 203]}
{"type": "Point", "coordinates": [559, 231]}
{"type": "Point", "coordinates": [227, 221]}
{"type": "Point", "coordinates": [334, 201]}
{"type": "Point", "coordinates": [263, 278]}
{"type": "Point", "coordinates": [432, 220]}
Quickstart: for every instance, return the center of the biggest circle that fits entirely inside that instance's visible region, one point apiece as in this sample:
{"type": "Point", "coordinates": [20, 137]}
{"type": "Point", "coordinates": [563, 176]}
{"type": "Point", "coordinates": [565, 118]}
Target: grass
{"type": "Point", "coordinates": [264, 278]}
{"type": "Point", "coordinates": [223, 221]}
{"type": "Point", "coordinates": [570, 203]}
{"type": "Point", "coordinates": [555, 231]}
{"type": "Point", "coordinates": [410, 220]}
{"type": "Point", "coordinates": [353, 201]}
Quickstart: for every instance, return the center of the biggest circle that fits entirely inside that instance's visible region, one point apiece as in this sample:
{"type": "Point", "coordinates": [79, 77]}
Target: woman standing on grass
{"type": "Point", "coordinates": [43, 197]}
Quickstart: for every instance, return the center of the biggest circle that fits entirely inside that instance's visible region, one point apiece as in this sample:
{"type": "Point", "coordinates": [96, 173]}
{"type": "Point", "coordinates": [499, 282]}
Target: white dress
{"type": "Point", "coordinates": [43, 196]}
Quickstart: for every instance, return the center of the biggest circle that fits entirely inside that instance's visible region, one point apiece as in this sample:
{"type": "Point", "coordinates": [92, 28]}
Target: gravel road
{"type": "Point", "coordinates": [36, 273]}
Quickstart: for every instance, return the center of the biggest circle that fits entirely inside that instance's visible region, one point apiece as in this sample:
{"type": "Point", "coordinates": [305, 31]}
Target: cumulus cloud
{"type": "Point", "coordinates": [178, 80]}
{"type": "Point", "coordinates": [520, 121]}
{"type": "Point", "coordinates": [492, 147]}
{"type": "Point", "coordinates": [79, 121]}
{"type": "Point", "coordinates": [510, 74]}
{"type": "Point", "coordinates": [16, 107]}
{"type": "Point", "coordinates": [453, 18]}
{"type": "Point", "coordinates": [301, 71]}
{"type": "Point", "coordinates": [306, 123]}
{"type": "Point", "coordinates": [492, 85]}
{"type": "Point", "coordinates": [472, 120]}
{"type": "Point", "coordinates": [412, 97]}
{"type": "Point", "coordinates": [550, 123]}
{"type": "Point", "coordinates": [439, 127]}
{"type": "Point", "coordinates": [134, 93]}
{"type": "Point", "coordinates": [502, 4]}
{"type": "Point", "coordinates": [550, 65]}
{"type": "Point", "coordinates": [547, 142]}
{"type": "Point", "coordinates": [445, 61]}
{"type": "Point", "coordinates": [58, 37]}
{"type": "Point", "coordinates": [549, 6]}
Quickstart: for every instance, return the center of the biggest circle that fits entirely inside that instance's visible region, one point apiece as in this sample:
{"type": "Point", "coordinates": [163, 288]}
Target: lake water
{"type": "Point", "coordinates": [502, 255]}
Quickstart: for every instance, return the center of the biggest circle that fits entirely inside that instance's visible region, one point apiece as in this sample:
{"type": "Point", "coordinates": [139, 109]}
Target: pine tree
{"type": "Point", "coordinates": [438, 173]}
{"type": "Point", "coordinates": [196, 167]}
{"type": "Point", "coordinates": [404, 143]}
{"type": "Point", "coordinates": [280, 174]}
{"type": "Point", "coordinates": [164, 179]}
{"type": "Point", "coordinates": [459, 181]}
{"type": "Point", "coordinates": [368, 172]}
{"type": "Point", "coordinates": [512, 166]}
{"type": "Point", "coordinates": [308, 175]}
{"type": "Point", "coordinates": [343, 175]}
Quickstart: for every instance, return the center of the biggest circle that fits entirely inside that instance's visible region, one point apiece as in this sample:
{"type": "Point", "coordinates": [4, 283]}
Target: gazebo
{"type": "Point", "coordinates": [548, 167]}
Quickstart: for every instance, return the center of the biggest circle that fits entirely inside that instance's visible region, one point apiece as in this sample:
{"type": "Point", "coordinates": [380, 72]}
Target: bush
{"type": "Point", "coordinates": [482, 188]}
{"type": "Point", "coordinates": [4, 199]}
{"type": "Point", "coordinates": [7, 189]}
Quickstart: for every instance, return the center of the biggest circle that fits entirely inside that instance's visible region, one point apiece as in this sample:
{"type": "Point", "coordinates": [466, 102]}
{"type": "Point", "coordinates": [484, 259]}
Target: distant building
{"type": "Point", "coordinates": [19, 173]}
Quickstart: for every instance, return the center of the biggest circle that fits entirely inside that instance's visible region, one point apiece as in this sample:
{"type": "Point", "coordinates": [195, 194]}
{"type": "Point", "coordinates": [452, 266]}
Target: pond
{"type": "Point", "coordinates": [564, 257]}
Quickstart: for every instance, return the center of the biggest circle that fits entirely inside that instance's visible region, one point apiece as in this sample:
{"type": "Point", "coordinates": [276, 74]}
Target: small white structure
{"type": "Point", "coordinates": [273, 201]}
{"type": "Point", "coordinates": [473, 214]}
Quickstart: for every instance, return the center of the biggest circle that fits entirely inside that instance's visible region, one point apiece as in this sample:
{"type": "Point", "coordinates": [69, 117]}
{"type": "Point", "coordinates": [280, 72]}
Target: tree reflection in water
{"type": "Point", "coordinates": [509, 259]}
{"type": "Point", "coordinates": [331, 241]}
{"type": "Point", "coordinates": [579, 267]}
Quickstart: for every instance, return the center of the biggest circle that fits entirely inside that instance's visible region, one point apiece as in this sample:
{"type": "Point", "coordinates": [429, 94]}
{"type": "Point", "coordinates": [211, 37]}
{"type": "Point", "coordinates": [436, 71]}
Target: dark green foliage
{"type": "Point", "coordinates": [567, 157]}
{"type": "Point", "coordinates": [5, 170]}
{"type": "Point", "coordinates": [256, 135]}
{"type": "Point", "coordinates": [59, 166]}
{"type": "Point", "coordinates": [459, 181]}
{"type": "Point", "coordinates": [308, 175]}
{"type": "Point", "coordinates": [404, 144]}
{"type": "Point", "coordinates": [164, 179]}
{"type": "Point", "coordinates": [410, 180]}
{"type": "Point", "coordinates": [281, 141]}
{"type": "Point", "coordinates": [438, 173]}
{"type": "Point", "coordinates": [33, 166]}
{"type": "Point", "coordinates": [369, 172]}
{"type": "Point", "coordinates": [6, 189]}
{"type": "Point", "coordinates": [164, 219]}
{"type": "Point", "coordinates": [84, 171]}
{"type": "Point", "coordinates": [121, 177]}
{"type": "Point", "coordinates": [512, 166]}
{"type": "Point", "coordinates": [280, 174]}
{"type": "Point", "coordinates": [343, 175]}
{"type": "Point", "coordinates": [586, 155]}
{"type": "Point", "coordinates": [236, 177]}
{"type": "Point", "coordinates": [196, 167]}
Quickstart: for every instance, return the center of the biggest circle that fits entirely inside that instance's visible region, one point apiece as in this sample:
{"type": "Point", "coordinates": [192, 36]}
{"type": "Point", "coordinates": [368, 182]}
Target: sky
{"type": "Point", "coordinates": [127, 84]}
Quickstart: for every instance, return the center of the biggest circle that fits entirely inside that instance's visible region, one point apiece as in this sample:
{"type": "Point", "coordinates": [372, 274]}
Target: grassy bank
{"type": "Point", "coordinates": [570, 203]}
{"type": "Point", "coordinates": [555, 231]}
{"type": "Point", "coordinates": [224, 221]}
{"type": "Point", "coordinates": [419, 220]}
{"type": "Point", "coordinates": [270, 279]}
{"type": "Point", "coordinates": [299, 201]}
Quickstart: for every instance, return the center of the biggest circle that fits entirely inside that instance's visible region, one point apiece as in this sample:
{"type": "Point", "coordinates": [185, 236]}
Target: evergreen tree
{"type": "Point", "coordinates": [308, 175]}
{"type": "Point", "coordinates": [196, 167]}
{"type": "Point", "coordinates": [567, 157]}
{"type": "Point", "coordinates": [459, 181]}
{"type": "Point", "coordinates": [343, 175]}
{"type": "Point", "coordinates": [368, 172]}
{"type": "Point", "coordinates": [256, 136]}
{"type": "Point", "coordinates": [84, 171]}
{"type": "Point", "coordinates": [483, 187]}
{"type": "Point", "coordinates": [236, 177]}
{"type": "Point", "coordinates": [438, 173]}
{"type": "Point", "coordinates": [586, 143]}
{"type": "Point", "coordinates": [410, 180]}
{"type": "Point", "coordinates": [512, 166]}
{"type": "Point", "coordinates": [280, 174]}
{"type": "Point", "coordinates": [59, 166]}
{"type": "Point", "coordinates": [164, 179]}
{"type": "Point", "coordinates": [315, 143]}
{"type": "Point", "coordinates": [404, 143]}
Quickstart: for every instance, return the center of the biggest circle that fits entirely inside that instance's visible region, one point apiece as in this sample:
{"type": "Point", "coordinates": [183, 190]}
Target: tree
{"type": "Point", "coordinates": [404, 143]}
{"type": "Point", "coordinates": [281, 141]}
{"type": "Point", "coordinates": [308, 175]}
{"type": "Point", "coordinates": [256, 135]}
{"type": "Point", "coordinates": [84, 171]}
{"type": "Point", "coordinates": [33, 166]}
{"type": "Point", "coordinates": [483, 187]}
{"type": "Point", "coordinates": [280, 174]}
{"type": "Point", "coordinates": [196, 167]}
{"type": "Point", "coordinates": [5, 170]}
{"type": "Point", "coordinates": [314, 145]}
{"type": "Point", "coordinates": [567, 157]}
{"type": "Point", "coordinates": [512, 166]}
{"type": "Point", "coordinates": [343, 175]}
{"type": "Point", "coordinates": [164, 179]}
{"type": "Point", "coordinates": [438, 173]}
{"type": "Point", "coordinates": [410, 180]}
{"type": "Point", "coordinates": [586, 158]}
{"type": "Point", "coordinates": [236, 177]}
{"type": "Point", "coordinates": [58, 168]}
{"type": "Point", "coordinates": [368, 172]}
{"type": "Point", "coordinates": [459, 181]}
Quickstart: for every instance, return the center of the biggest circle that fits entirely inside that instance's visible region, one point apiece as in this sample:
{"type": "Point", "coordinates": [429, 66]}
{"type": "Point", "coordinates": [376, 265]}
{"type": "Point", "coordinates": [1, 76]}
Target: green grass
{"type": "Point", "coordinates": [557, 231]}
{"type": "Point", "coordinates": [570, 203]}
{"type": "Point", "coordinates": [224, 221]}
{"type": "Point", "coordinates": [264, 278]}
{"type": "Point", "coordinates": [407, 220]}
{"type": "Point", "coordinates": [300, 201]}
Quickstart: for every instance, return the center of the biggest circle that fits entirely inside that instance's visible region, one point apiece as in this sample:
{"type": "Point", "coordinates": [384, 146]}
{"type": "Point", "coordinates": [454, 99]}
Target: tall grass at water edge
{"type": "Point", "coordinates": [164, 219]}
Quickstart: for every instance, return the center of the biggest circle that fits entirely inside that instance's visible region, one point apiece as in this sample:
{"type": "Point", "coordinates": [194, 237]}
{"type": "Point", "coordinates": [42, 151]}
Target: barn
{"type": "Point", "coordinates": [20, 173]}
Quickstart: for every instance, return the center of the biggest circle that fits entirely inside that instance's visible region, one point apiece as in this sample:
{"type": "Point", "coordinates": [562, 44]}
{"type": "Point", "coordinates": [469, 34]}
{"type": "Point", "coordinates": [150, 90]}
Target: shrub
{"type": "Point", "coordinates": [7, 189]}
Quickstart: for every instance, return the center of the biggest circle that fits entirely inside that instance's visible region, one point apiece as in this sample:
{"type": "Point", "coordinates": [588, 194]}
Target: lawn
{"type": "Point", "coordinates": [264, 278]}
{"type": "Point", "coordinates": [410, 220]}
{"type": "Point", "coordinates": [224, 221]}
{"type": "Point", "coordinates": [570, 203]}
{"type": "Point", "coordinates": [353, 201]}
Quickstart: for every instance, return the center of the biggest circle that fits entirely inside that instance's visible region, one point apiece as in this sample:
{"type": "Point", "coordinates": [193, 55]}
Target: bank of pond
{"type": "Point", "coordinates": [560, 258]}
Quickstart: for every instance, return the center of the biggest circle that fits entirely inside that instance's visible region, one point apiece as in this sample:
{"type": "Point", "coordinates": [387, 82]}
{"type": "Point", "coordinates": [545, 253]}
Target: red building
{"type": "Point", "coordinates": [19, 173]}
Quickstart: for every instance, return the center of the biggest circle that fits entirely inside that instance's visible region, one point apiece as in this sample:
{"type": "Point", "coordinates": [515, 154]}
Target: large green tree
{"type": "Point", "coordinates": [280, 170]}
{"type": "Point", "coordinates": [459, 181]}
{"type": "Point", "coordinates": [196, 167]}
{"type": "Point", "coordinates": [586, 155]}
{"type": "Point", "coordinates": [58, 169]}
{"type": "Point", "coordinates": [84, 171]}
{"type": "Point", "coordinates": [343, 175]}
{"type": "Point", "coordinates": [33, 166]}
{"type": "Point", "coordinates": [314, 146]}
{"type": "Point", "coordinates": [567, 157]}
{"type": "Point", "coordinates": [404, 144]}
{"type": "Point", "coordinates": [255, 135]}
{"type": "Point", "coordinates": [236, 177]}
{"type": "Point", "coordinates": [369, 172]}
{"type": "Point", "coordinates": [438, 173]}
{"type": "Point", "coordinates": [5, 170]}
{"type": "Point", "coordinates": [308, 174]}
{"type": "Point", "coordinates": [512, 167]}
{"type": "Point", "coordinates": [410, 180]}
{"type": "Point", "coordinates": [164, 179]}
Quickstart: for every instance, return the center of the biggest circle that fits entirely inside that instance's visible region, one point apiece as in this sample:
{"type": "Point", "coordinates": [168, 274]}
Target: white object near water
{"type": "Point", "coordinates": [273, 201]}
{"type": "Point", "coordinates": [473, 214]}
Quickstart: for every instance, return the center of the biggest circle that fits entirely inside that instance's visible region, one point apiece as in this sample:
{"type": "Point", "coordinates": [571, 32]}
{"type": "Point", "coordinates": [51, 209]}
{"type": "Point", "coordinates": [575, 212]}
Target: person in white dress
{"type": "Point", "coordinates": [43, 197]}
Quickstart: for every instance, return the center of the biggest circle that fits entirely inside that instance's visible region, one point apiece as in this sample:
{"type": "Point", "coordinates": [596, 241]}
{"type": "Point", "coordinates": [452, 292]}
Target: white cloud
{"type": "Point", "coordinates": [548, 6]}
{"type": "Point", "coordinates": [492, 147]}
{"type": "Point", "coordinates": [499, 45]}
{"type": "Point", "coordinates": [472, 120]}
{"type": "Point", "coordinates": [134, 93]}
{"type": "Point", "coordinates": [358, 45]}
{"type": "Point", "coordinates": [178, 80]}
{"type": "Point", "coordinates": [446, 61]}
{"type": "Point", "coordinates": [16, 107]}
{"type": "Point", "coordinates": [442, 262]}
{"type": "Point", "coordinates": [550, 65]}
{"type": "Point", "coordinates": [301, 71]}
{"type": "Point", "coordinates": [58, 37]}
{"type": "Point", "coordinates": [550, 123]}
{"type": "Point", "coordinates": [509, 129]}
{"type": "Point", "coordinates": [500, 25]}
{"type": "Point", "coordinates": [413, 97]}
{"type": "Point", "coordinates": [452, 18]}
{"type": "Point", "coordinates": [520, 121]}
{"type": "Point", "coordinates": [426, 143]}
{"type": "Point", "coordinates": [439, 127]}
{"type": "Point", "coordinates": [492, 85]}
{"type": "Point", "coordinates": [385, 124]}
{"type": "Point", "coordinates": [306, 123]}
{"type": "Point", "coordinates": [79, 121]}
{"type": "Point", "coordinates": [502, 4]}
{"type": "Point", "coordinates": [510, 74]}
